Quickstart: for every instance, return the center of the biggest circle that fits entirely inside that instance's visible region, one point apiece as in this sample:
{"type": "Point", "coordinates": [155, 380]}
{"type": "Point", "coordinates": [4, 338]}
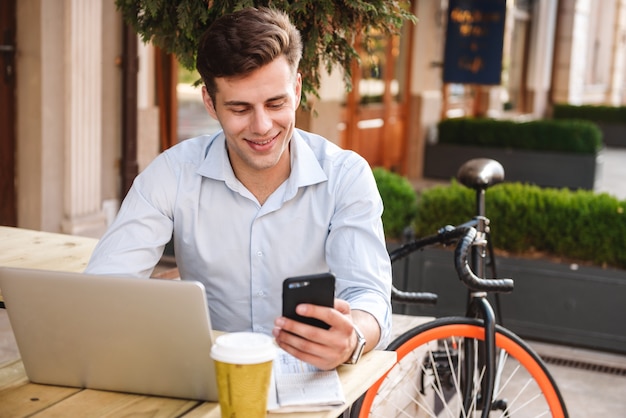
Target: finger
{"type": "Point", "coordinates": [301, 329]}
{"type": "Point", "coordinates": [342, 306]}
{"type": "Point", "coordinates": [333, 344]}
{"type": "Point", "coordinates": [320, 356]}
{"type": "Point", "coordinates": [311, 339]}
{"type": "Point", "coordinates": [333, 317]}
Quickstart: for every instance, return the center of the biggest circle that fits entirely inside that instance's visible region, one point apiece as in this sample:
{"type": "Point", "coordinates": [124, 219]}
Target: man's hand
{"type": "Point", "coordinates": [325, 349]}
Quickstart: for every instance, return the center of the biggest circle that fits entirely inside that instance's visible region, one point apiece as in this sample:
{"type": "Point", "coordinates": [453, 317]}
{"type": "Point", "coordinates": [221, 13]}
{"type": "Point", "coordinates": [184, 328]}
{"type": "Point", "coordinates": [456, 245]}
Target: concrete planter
{"type": "Point", "coordinates": [546, 169]}
{"type": "Point", "coordinates": [555, 302]}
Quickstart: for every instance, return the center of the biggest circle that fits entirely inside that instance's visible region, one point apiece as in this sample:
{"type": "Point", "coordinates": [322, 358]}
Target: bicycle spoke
{"type": "Point", "coordinates": [522, 391]}
{"type": "Point", "coordinates": [429, 379]}
{"type": "Point", "coordinates": [456, 377]}
{"type": "Point", "coordinates": [399, 384]}
{"type": "Point", "coordinates": [438, 388]}
{"type": "Point", "coordinates": [502, 357]}
{"type": "Point", "coordinates": [524, 405]}
{"type": "Point", "coordinates": [476, 389]}
{"type": "Point", "coordinates": [511, 376]}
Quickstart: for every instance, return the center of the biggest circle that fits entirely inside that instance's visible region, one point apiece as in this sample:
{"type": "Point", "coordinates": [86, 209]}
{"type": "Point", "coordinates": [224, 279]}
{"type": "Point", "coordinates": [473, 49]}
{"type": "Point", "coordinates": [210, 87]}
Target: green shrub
{"type": "Point", "coordinates": [595, 113]}
{"type": "Point", "coordinates": [576, 136]}
{"type": "Point", "coordinates": [400, 200]}
{"type": "Point", "coordinates": [580, 225]}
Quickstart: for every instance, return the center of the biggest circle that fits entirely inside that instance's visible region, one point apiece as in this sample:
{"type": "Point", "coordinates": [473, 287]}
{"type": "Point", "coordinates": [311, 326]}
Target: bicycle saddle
{"type": "Point", "coordinates": [480, 173]}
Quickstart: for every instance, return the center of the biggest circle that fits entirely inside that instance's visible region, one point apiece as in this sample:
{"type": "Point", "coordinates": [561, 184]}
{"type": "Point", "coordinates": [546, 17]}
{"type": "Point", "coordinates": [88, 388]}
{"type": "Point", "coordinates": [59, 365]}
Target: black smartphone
{"type": "Point", "coordinates": [316, 289]}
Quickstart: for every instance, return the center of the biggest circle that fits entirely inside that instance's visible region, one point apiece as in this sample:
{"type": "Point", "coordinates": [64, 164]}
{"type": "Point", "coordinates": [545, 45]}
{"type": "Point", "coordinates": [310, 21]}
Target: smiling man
{"type": "Point", "coordinates": [261, 201]}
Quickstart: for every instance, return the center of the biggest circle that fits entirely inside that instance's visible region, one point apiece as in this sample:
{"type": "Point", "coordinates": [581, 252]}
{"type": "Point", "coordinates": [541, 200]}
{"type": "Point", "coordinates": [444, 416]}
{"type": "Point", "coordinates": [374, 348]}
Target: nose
{"type": "Point", "coordinates": [261, 122]}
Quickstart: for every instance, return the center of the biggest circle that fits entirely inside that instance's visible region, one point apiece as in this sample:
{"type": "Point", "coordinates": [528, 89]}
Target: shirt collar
{"type": "Point", "coordinates": [215, 161]}
{"type": "Point", "coordinates": [305, 167]}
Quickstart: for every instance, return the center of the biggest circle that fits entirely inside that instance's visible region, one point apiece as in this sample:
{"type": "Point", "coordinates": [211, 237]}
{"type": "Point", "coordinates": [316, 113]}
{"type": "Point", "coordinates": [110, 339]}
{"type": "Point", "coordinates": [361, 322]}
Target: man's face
{"type": "Point", "coordinates": [257, 113]}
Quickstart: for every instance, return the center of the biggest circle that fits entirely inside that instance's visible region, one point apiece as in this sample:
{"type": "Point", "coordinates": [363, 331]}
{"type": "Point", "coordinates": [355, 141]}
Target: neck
{"type": "Point", "coordinates": [262, 183]}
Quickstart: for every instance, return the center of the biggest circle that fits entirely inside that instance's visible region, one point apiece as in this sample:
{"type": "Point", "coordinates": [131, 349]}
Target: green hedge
{"type": "Point", "coordinates": [595, 113]}
{"type": "Point", "coordinates": [399, 199]}
{"type": "Point", "coordinates": [576, 136]}
{"type": "Point", "coordinates": [579, 225]}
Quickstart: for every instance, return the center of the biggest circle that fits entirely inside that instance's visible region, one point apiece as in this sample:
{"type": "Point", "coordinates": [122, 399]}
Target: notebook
{"type": "Point", "coordinates": [142, 336]}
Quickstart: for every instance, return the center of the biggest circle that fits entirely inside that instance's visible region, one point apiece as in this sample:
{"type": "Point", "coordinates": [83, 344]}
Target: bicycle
{"type": "Point", "coordinates": [465, 366]}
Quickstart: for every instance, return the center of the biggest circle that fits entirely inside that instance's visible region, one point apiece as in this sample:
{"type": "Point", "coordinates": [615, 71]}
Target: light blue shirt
{"type": "Point", "coordinates": [325, 217]}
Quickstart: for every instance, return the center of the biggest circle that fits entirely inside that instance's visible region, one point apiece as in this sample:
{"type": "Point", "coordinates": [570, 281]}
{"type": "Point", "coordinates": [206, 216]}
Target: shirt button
{"type": "Point", "coordinates": [259, 253]}
{"type": "Point", "coordinates": [260, 293]}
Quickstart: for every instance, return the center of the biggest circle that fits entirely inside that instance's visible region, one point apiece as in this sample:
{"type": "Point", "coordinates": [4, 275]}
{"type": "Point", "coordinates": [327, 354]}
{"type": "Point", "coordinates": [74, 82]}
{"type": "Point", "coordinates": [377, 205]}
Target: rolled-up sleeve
{"type": "Point", "coordinates": [356, 250]}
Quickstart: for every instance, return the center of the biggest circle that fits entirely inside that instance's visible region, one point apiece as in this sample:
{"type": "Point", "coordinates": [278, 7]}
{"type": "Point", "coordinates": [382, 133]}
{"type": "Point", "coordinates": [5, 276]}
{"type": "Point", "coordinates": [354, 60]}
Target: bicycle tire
{"type": "Point", "coordinates": [398, 393]}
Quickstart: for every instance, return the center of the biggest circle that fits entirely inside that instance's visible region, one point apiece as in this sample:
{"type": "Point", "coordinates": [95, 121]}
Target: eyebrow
{"type": "Point", "coordinates": [242, 103]}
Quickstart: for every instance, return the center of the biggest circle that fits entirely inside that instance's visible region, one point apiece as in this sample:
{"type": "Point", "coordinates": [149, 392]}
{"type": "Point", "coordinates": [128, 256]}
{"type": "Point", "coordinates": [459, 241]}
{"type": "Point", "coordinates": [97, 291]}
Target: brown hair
{"type": "Point", "coordinates": [241, 42]}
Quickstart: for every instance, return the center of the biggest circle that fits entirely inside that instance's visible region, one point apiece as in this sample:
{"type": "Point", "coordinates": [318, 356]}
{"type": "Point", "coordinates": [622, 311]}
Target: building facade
{"type": "Point", "coordinates": [67, 99]}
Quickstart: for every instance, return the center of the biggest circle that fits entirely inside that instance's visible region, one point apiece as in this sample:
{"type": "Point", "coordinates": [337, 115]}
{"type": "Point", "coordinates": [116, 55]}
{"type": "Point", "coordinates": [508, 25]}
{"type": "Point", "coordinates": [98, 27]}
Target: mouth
{"type": "Point", "coordinates": [261, 144]}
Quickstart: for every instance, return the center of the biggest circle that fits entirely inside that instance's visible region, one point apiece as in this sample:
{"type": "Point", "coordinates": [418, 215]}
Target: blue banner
{"type": "Point", "coordinates": [474, 40]}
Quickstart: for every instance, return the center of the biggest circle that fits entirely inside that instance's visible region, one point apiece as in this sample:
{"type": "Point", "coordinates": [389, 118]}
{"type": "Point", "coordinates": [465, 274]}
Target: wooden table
{"type": "Point", "coordinates": [19, 397]}
{"type": "Point", "coordinates": [44, 250]}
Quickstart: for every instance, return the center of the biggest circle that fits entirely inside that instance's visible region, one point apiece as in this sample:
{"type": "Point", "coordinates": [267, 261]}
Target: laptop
{"type": "Point", "coordinates": [150, 337]}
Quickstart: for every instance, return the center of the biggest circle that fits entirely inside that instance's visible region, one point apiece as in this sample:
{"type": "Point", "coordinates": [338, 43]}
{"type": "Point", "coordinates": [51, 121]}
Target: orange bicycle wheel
{"type": "Point", "coordinates": [426, 380]}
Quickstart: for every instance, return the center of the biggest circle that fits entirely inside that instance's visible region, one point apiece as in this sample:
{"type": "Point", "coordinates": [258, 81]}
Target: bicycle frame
{"type": "Point", "coordinates": [479, 307]}
{"type": "Point", "coordinates": [465, 348]}
{"type": "Point", "coordinates": [477, 304]}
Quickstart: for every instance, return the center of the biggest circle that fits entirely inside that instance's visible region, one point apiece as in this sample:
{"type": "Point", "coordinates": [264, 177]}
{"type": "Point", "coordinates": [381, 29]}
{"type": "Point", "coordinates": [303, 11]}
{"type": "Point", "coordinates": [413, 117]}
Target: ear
{"type": "Point", "coordinates": [298, 89]}
{"type": "Point", "coordinates": [208, 103]}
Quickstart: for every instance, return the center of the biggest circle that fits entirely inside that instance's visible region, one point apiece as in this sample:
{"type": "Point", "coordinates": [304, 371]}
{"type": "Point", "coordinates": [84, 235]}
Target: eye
{"type": "Point", "coordinates": [276, 105]}
{"type": "Point", "coordinates": [239, 110]}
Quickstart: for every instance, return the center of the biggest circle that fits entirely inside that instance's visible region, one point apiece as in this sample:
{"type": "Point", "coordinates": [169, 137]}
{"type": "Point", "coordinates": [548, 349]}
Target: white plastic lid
{"type": "Point", "coordinates": [243, 348]}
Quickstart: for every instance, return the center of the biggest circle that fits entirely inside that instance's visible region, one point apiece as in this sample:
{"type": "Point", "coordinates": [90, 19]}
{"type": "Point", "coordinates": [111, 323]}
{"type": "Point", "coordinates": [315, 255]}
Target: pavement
{"type": "Point", "coordinates": [612, 174]}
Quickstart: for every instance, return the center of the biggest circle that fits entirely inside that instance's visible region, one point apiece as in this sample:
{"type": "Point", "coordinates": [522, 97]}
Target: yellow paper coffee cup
{"type": "Point", "coordinates": [243, 365]}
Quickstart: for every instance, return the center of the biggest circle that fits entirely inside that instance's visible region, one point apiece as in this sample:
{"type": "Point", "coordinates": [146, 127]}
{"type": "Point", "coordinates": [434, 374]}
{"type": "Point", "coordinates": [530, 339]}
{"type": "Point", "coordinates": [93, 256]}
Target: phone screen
{"type": "Point", "coordinates": [316, 289]}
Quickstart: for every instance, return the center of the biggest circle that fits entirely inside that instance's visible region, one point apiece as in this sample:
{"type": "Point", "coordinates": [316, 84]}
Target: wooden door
{"type": "Point", "coordinates": [376, 108]}
{"type": "Point", "coordinates": [8, 200]}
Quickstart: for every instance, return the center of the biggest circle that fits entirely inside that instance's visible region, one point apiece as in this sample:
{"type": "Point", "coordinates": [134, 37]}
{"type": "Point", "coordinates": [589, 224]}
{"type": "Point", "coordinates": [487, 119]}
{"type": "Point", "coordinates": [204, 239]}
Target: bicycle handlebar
{"type": "Point", "coordinates": [464, 236]}
{"type": "Point", "coordinates": [466, 274]}
{"type": "Point", "coordinates": [413, 297]}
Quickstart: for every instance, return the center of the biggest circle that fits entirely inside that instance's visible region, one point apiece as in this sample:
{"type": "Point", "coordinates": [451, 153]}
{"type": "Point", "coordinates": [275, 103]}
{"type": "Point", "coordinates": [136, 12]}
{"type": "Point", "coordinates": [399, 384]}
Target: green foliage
{"type": "Point", "coordinates": [188, 76]}
{"type": "Point", "coordinates": [580, 225]}
{"type": "Point", "coordinates": [576, 136]}
{"type": "Point", "coordinates": [399, 198]}
{"type": "Point", "coordinates": [595, 113]}
{"type": "Point", "coordinates": [329, 27]}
